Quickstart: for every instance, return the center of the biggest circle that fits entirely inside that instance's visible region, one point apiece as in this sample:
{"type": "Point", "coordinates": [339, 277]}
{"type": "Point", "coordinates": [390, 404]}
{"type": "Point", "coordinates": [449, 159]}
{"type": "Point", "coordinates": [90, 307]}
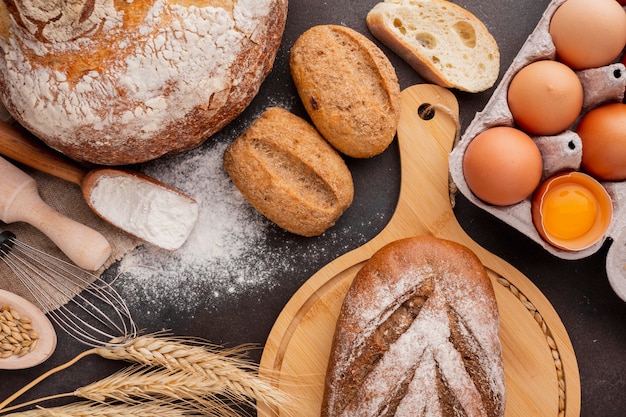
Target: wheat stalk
{"type": "Point", "coordinates": [173, 370]}
{"type": "Point", "coordinates": [138, 384]}
{"type": "Point", "coordinates": [223, 371]}
{"type": "Point", "coordinates": [88, 409]}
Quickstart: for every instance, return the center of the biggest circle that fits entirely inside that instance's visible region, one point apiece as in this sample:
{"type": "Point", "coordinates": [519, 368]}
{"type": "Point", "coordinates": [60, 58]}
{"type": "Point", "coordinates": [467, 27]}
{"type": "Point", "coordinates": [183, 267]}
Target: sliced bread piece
{"type": "Point", "coordinates": [446, 44]}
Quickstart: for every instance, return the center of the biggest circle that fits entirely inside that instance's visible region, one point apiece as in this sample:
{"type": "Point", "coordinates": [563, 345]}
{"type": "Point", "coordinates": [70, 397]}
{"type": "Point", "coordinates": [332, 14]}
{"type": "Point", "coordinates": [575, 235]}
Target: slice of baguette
{"type": "Point", "coordinates": [446, 44]}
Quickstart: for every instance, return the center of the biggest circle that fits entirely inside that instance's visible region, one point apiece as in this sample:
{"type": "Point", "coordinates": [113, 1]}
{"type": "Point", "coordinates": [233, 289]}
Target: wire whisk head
{"type": "Point", "coordinates": [82, 304]}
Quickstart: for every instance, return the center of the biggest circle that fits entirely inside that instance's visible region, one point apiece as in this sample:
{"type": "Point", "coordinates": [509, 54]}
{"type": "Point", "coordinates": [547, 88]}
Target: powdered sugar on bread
{"type": "Point", "coordinates": [447, 346]}
{"type": "Point", "coordinates": [128, 73]}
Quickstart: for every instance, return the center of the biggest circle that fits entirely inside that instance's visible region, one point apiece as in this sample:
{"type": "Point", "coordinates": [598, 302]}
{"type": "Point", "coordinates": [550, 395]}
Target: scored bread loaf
{"type": "Point", "coordinates": [120, 82]}
{"type": "Point", "coordinates": [290, 173]}
{"type": "Point", "coordinates": [445, 43]}
{"type": "Point", "coordinates": [348, 87]}
{"type": "Point", "coordinates": [417, 335]}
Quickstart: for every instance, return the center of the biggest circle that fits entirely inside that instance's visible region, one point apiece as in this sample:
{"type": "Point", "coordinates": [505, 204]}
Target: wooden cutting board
{"type": "Point", "coordinates": [541, 371]}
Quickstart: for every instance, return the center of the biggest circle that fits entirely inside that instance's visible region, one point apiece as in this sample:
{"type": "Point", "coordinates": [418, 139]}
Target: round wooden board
{"type": "Point", "coordinates": [541, 371]}
{"type": "Point", "coordinates": [533, 364]}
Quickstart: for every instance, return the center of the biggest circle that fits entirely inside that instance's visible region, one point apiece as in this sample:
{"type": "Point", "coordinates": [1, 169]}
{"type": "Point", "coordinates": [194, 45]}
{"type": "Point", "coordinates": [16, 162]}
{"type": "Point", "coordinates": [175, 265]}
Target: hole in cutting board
{"type": "Point", "coordinates": [426, 111]}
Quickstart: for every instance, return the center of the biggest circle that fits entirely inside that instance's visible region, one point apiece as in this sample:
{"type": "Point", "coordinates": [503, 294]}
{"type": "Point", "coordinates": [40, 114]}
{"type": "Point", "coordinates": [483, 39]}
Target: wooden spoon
{"type": "Point", "coordinates": [20, 202]}
{"type": "Point", "coordinates": [46, 336]}
{"type": "Point", "coordinates": [540, 366]}
{"type": "Point", "coordinates": [141, 197]}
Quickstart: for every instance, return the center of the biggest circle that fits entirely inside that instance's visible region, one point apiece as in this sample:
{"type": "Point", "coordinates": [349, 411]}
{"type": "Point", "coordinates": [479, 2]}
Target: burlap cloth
{"type": "Point", "coordinates": [68, 200]}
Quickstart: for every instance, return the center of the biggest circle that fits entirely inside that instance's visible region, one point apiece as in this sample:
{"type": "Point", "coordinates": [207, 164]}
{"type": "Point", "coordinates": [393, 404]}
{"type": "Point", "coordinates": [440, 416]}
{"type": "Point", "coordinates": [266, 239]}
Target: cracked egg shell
{"type": "Point", "coordinates": [571, 210]}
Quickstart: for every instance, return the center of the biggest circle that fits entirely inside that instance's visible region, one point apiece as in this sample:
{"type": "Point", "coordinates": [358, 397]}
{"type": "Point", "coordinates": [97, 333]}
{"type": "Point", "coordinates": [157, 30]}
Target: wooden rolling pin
{"type": "Point", "coordinates": [145, 202]}
{"type": "Point", "coordinates": [20, 201]}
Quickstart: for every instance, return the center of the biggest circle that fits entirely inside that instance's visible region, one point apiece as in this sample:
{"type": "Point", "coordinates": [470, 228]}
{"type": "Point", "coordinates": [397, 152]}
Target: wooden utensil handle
{"type": "Point", "coordinates": [20, 201]}
{"type": "Point", "coordinates": [84, 246]}
{"type": "Point", "coordinates": [19, 145]}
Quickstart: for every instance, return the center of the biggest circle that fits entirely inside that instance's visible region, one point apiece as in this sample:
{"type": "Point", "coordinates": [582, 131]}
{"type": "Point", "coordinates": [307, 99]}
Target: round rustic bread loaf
{"type": "Point", "coordinates": [116, 82]}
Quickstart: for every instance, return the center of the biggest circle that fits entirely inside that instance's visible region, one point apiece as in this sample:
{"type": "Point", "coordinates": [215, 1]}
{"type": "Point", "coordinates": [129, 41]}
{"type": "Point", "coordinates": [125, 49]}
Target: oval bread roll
{"type": "Point", "coordinates": [121, 82]}
{"type": "Point", "coordinates": [348, 87]}
{"type": "Point", "coordinates": [417, 335]}
{"type": "Point", "coordinates": [289, 173]}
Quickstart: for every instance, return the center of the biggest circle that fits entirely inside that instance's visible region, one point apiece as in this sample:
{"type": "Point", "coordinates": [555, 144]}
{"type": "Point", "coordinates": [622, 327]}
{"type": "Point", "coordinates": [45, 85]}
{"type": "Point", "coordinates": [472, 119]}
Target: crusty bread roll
{"type": "Point", "coordinates": [289, 173]}
{"type": "Point", "coordinates": [417, 335]}
{"type": "Point", "coordinates": [348, 87]}
{"type": "Point", "coordinates": [120, 82]}
{"type": "Point", "coordinates": [443, 42]}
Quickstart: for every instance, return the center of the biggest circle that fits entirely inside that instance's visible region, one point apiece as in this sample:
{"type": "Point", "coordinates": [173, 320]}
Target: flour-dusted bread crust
{"type": "Point", "coordinates": [290, 173]}
{"type": "Point", "coordinates": [117, 82]}
{"type": "Point", "coordinates": [417, 336]}
{"type": "Point", "coordinates": [443, 42]}
{"type": "Point", "coordinates": [348, 87]}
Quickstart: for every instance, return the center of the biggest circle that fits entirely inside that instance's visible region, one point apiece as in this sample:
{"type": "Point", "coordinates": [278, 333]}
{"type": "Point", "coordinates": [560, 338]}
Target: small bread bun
{"type": "Point", "coordinates": [348, 87]}
{"type": "Point", "coordinates": [443, 42]}
{"type": "Point", "coordinates": [290, 173]}
{"type": "Point", "coordinates": [122, 82]}
{"type": "Point", "coordinates": [417, 335]}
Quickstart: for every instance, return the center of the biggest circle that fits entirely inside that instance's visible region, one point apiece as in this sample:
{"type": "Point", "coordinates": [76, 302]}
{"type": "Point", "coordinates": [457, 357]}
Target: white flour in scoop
{"type": "Point", "coordinates": [147, 210]}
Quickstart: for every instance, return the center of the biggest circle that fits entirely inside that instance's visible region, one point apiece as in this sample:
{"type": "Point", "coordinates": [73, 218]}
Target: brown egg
{"type": "Point", "coordinates": [603, 135]}
{"type": "Point", "coordinates": [545, 97]}
{"type": "Point", "coordinates": [588, 33]}
{"type": "Point", "coordinates": [502, 166]}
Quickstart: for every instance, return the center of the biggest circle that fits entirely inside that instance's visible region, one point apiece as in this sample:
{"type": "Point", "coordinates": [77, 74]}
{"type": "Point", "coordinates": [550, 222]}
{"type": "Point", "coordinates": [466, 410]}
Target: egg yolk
{"type": "Point", "coordinates": [569, 211]}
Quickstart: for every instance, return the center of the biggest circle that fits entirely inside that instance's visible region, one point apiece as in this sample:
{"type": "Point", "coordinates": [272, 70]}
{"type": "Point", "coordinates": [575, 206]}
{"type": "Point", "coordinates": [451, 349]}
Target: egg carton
{"type": "Point", "coordinates": [560, 152]}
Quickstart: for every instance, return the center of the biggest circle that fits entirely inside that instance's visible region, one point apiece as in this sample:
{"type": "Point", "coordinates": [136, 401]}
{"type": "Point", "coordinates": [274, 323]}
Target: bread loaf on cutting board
{"type": "Point", "coordinates": [290, 173]}
{"type": "Point", "coordinates": [348, 87]}
{"type": "Point", "coordinates": [443, 42]}
{"type": "Point", "coordinates": [120, 82]}
{"type": "Point", "coordinates": [417, 335]}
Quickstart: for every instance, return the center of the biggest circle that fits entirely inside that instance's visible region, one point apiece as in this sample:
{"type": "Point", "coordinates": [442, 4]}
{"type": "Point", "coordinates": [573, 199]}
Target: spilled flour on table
{"type": "Point", "coordinates": [219, 257]}
{"type": "Point", "coordinates": [229, 253]}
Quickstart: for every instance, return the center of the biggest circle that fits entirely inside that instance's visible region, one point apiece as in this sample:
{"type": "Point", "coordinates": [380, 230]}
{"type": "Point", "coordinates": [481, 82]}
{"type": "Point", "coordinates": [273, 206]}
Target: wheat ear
{"type": "Point", "coordinates": [219, 372]}
{"type": "Point", "coordinates": [88, 409]}
{"type": "Point", "coordinates": [138, 384]}
{"type": "Point", "coordinates": [225, 371]}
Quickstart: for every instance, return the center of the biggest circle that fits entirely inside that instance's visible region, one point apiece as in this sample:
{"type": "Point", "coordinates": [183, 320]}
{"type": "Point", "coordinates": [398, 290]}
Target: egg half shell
{"type": "Point", "coordinates": [571, 211]}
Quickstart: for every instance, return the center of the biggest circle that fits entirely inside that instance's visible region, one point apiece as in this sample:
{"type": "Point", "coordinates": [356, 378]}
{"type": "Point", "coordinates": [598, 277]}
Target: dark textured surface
{"type": "Point", "coordinates": [593, 315]}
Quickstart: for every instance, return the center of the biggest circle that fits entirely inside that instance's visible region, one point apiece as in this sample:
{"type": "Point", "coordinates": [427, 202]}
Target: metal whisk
{"type": "Point", "coordinates": [95, 313]}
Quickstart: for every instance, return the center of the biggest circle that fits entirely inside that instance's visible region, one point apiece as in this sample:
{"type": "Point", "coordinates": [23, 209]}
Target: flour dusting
{"type": "Point", "coordinates": [216, 254]}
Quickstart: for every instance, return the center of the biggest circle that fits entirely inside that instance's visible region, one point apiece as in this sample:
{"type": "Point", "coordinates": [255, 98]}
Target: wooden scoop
{"type": "Point", "coordinates": [541, 372]}
{"type": "Point", "coordinates": [47, 340]}
{"type": "Point", "coordinates": [20, 201]}
{"type": "Point", "coordinates": [141, 201]}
